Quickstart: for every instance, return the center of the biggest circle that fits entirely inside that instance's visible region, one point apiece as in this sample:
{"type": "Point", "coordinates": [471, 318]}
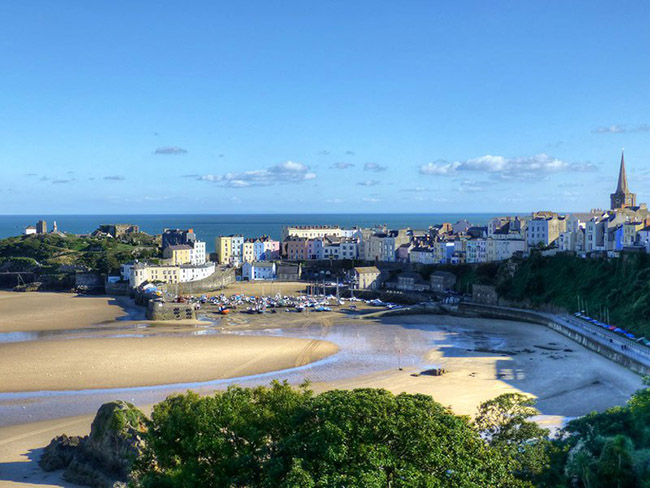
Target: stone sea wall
{"type": "Point", "coordinates": [221, 278]}
{"type": "Point", "coordinates": [616, 348]}
{"type": "Point", "coordinates": [157, 310]}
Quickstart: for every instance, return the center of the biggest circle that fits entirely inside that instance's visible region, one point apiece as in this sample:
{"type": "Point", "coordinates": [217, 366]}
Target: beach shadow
{"type": "Point", "coordinates": [566, 378]}
{"type": "Point", "coordinates": [30, 472]}
{"type": "Point", "coordinates": [127, 305]}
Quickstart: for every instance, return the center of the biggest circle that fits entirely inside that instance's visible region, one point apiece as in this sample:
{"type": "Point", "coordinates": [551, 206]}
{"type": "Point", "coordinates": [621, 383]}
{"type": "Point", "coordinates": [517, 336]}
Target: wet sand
{"type": "Point", "coordinates": [79, 364]}
{"type": "Point", "coordinates": [36, 311]}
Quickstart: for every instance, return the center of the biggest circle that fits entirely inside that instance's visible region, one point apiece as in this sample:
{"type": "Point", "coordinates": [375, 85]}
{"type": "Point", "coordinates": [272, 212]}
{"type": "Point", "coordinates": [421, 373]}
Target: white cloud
{"type": "Point", "coordinates": [335, 200]}
{"type": "Point", "coordinates": [471, 186]}
{"type": "Point", "coordinates": [289, 172]}
{"type": "Point", "coordinates": [342, 165]}
{"type": "Point", "coordinates": [374, 167]}
{"type": "Point", "coordinates": [506, 168]}
{"type": "Point", "coordinates": [170, 150]}
{"type": "Point", "coordinates": [621, 129]}
{"type": "Point", "coordinates": [371, 200]}
{"type": "Point", "coordinates": [368, 183]}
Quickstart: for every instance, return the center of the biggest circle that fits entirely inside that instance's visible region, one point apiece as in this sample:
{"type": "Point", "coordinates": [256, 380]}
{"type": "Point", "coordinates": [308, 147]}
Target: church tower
{"type": "Point", "coordinates": [622, 197]}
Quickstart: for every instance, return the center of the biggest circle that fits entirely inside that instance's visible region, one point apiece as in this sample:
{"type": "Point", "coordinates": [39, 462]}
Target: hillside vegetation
{"type": "Point", "coordinates": [617, 288]}
{"type": "Point", "coordinates": [46, 253]}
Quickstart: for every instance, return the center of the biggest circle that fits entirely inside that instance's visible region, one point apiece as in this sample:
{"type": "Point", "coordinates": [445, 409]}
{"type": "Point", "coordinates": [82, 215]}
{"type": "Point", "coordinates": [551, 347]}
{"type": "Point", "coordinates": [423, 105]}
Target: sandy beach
{"type": "Point", "coordinates": [483, 358]}
{"type": "Point", "coordinates": [79, 364]}
{"type": "Point", "coordinates": [22, 312]}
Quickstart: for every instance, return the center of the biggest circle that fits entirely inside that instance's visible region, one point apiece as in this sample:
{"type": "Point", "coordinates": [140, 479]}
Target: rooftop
{"type": "Point", "coordinates": [367, 269]}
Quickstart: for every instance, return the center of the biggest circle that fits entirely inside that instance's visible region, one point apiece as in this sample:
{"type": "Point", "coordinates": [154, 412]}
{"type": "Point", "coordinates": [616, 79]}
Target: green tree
{"type": "Point", "coordinates": [505, 423]}
{"type": "Point", "coordinates": [615, 466]}
{"type": "Point", "coordinates": [278, 436]}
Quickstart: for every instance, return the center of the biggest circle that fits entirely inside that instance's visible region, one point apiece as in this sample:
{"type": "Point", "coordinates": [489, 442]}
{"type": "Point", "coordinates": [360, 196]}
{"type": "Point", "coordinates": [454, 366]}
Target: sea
{"type": "Point", "coordinates": [208, 227]}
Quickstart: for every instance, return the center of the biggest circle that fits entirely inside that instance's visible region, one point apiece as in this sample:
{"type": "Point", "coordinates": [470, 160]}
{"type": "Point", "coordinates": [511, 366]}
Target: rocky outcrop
{"type": "Point", "coordinates": [59, 453]}
{"type": "Point", "coordinates": [104, 458]}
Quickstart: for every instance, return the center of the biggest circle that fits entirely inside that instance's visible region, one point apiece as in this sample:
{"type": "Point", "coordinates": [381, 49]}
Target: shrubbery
{"type": "Point", "coordinates": [283, 437]}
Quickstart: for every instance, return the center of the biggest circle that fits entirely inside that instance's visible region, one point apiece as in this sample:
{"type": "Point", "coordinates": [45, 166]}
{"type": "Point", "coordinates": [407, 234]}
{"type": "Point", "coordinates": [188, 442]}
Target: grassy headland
{"type": "Point", "coordinates": [46, 253]}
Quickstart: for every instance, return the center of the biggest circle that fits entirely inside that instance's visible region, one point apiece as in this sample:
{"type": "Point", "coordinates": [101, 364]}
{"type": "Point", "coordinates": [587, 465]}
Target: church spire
{"type": "Point", "coordinates": [622, 179]}
{"type": "Point", "coordinates": [622, 197]}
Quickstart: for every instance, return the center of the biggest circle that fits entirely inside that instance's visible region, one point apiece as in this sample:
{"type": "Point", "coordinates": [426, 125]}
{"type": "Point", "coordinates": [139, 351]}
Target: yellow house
{"type": "Point", "coordinates": [223, 246]}
{"type": "Point", "coordinates": [248, 252]}
{"type": "Point", "coordinates": [367, 277]}
{"type": "Point", "coordinates": [178, 254]}
{"type": "Point", "coordinates": [162, 273]}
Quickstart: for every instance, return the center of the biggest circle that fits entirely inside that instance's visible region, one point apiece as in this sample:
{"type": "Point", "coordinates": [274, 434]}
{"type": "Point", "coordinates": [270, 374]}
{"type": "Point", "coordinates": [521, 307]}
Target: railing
{"type": "Point", "coordinates": [609, 335]}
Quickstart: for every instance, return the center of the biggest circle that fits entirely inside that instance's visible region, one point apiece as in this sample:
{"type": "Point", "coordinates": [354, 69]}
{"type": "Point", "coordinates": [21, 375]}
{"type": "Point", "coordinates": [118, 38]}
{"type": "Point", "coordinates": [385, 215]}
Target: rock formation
{"type": "Point", "coordinates": [104, 458]}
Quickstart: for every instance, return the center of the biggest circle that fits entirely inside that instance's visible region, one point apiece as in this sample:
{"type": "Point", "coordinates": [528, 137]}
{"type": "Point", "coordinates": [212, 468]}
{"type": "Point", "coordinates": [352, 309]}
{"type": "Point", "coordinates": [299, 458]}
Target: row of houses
{"type": "Point", "coordinates": [181, 247]}
{"type": "Point", "coordinates": [371, 278]}
{"type": "Point", "coordinates": [138, 273]}
{"type": "Point", "coordinates": [235, 249]}
{"type": "Point", "coordinates": [184, 260]}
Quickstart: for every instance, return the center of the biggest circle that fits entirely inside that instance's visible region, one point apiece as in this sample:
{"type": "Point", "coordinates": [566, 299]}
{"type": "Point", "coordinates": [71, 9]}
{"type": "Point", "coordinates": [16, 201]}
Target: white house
{"type": "Point", "coordinates": [197, 253]}
{"type": "Point", "coordinates": [544, 230]}
{"type": "Point", "coordinates": [195, 272]}
{"type": "Point", "coordinates": [422, 255]}
{"type": "Point", "coordinates": [258, 270]}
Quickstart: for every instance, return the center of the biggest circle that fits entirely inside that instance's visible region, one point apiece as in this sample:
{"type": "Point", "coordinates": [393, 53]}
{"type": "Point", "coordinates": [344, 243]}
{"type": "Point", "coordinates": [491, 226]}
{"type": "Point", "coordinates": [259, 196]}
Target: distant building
{"type": "Point", "coordinates": [460, 227]}
{"type": "Point", "coordinates": [544, 228]}
{"type": "Point", "coordinates": [622, 197]}
{"type": "Point", "coordinates": [442, 281]}
{"type": "Point", "coordinates": [296, 248]}
{"type": "Point", "coordinates": [382, 246]}
{"type": "Point", "coordinates": [422, 255]}
{"type": "Point", "coordinates": [408, 282]}
{"type": "Point", "coordinates": [118, 230]}
{"type": "Point", "coordinates": [258, 270]}
{"type": "Point", "coordinates": [367, 277]}
{"type": "Point", "coordinates": [41, 227]}
{"type": "Point", "coordinates": [311, 231]}
{"type": "Point", "coordinates": [30, 230]}
{"type": "Point", "coordinates": [198, 254]}
{"type": "Point", "coordinates": [288, 272]}
{"type": "Point", "coordinates": [228, 249]}
{"type": "Point", "coordinates": [172, 237]}
{"type": "Point", "coordinates": [248, 251]}
{"type": "Point", "coordinates": [178, 254]}
{"type": "Point", "coordinates": [138, 273]}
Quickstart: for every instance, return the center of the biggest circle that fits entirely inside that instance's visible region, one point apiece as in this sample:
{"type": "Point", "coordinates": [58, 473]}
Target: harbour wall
{"type": "Point", "coordinates": [159, 310]}
{"type": "Point", "coordinates": [221, 278]}
{"type": "Point", "coordinates": [619, 349]}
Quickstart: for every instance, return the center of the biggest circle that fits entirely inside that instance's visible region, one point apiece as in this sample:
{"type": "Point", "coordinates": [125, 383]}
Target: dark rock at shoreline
{"type": "Point", "coordinates": [59, 453]}
{"type": "Point", "coordinates": [104, 458]}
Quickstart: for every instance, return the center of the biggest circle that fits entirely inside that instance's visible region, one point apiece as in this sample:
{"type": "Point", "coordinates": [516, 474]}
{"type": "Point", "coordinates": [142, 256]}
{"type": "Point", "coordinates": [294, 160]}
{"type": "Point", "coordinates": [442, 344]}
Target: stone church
{"type": "Point", "coordinates": [622, 197]}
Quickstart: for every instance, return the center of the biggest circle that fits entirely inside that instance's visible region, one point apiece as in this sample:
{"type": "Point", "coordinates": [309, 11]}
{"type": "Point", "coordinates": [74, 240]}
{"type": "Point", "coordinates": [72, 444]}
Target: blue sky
{"type": "Point", "coordinates": [321, 106]}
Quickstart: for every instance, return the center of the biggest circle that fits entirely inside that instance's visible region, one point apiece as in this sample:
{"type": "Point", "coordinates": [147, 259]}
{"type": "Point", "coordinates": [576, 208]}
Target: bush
{"type": "Point", "coordinates": [283, 437]}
